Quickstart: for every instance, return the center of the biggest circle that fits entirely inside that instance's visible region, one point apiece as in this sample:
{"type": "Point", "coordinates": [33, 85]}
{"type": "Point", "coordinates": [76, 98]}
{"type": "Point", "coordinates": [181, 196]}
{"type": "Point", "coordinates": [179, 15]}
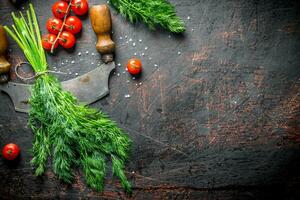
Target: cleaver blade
{"type": "Point", "coordinates": [87, 88]}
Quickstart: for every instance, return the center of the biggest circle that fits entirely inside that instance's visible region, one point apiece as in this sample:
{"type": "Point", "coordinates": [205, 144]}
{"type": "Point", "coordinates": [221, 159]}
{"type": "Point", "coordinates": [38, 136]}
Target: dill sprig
{"type": "Point", "coordinates": [72, 134]}
{"type": "Point", "coordinates": [151, 12]}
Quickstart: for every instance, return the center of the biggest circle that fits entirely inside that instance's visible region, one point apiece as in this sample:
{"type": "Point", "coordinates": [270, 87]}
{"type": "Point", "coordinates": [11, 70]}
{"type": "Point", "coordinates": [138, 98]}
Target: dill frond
{"type": "Point", "coordinates": [151, 12]}
{"type": "Point", "coordinates": [72, 134]}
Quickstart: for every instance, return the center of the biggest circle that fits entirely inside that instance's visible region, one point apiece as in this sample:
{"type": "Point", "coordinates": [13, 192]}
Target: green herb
{"type": "Point", "coordinates": [152, 12]}
{"type": "Point", "coordinates": [74, 135]}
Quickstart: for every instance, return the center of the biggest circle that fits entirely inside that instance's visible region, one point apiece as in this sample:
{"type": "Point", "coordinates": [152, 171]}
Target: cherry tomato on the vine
{"type": "Point", "coordinates": [80, 7]}
{"type": "Point", "coordinates": [53, 25]}
{"type": "Point", "coordinates": [67, 40]}
{"type": "Point", "coordinates": [10, 151]}
{"type": "Point", "coordinates": [134, 66]}
{"type": "Point", "coordinates": [73, 24]}
{"type": "Point", "coordinates": [59, 9]}
{"type": "Point", "coordinates": [48, 40]}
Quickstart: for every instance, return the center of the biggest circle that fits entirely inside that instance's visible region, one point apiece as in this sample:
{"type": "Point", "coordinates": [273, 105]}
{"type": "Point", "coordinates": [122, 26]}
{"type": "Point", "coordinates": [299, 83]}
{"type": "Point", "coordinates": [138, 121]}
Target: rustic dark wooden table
{"type": "Point", "coordinates": [215, 114]}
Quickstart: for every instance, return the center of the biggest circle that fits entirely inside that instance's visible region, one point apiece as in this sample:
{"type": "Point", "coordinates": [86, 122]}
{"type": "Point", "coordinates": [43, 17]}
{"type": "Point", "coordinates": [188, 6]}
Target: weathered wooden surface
{"type": "Point", "coordinates": [220, 120]}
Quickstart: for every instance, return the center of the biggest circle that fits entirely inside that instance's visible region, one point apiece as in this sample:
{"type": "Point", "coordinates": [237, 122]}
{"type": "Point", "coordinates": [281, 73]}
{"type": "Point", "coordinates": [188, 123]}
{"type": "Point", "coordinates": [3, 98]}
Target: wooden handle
{"type": "Point", "coordinates": [4, 64]}
{"type": "Point", "coordinates": [101, 23]}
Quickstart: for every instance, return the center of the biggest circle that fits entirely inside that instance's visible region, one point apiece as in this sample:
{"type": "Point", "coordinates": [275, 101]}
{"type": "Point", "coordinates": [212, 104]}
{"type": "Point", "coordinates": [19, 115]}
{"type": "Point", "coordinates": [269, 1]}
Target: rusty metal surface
{"type": "Point", "coordinates": [216, 115]}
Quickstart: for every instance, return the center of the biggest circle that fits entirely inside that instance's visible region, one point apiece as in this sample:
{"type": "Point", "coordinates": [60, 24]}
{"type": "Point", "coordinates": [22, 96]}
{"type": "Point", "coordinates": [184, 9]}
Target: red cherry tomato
{"type": "Point", "coordinates": [48, 40]}
{"type": "Point", "coordinates": [67, 40]}
{"type": "Point", "coordinates": [80, 7]}
{"type": "Point", "coordinates": [134, 66]}
{"type": "Point", "coordinates": [10, 151]}
{"type": "Point", "coordinates": [59, 9]}
{"type": "Point", "coordinates": [53, 25]}
{"type": "Point", "coordinates": [73, 24]}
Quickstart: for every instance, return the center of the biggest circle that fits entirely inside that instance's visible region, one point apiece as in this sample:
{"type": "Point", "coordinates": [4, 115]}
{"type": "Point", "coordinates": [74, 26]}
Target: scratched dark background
{"type": "Point", "coordinates": [216, 116]}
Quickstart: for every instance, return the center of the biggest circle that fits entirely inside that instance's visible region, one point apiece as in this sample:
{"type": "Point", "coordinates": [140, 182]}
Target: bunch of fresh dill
{"type": "Point", "coordinates": [152, 12]}
{"type": "Point", "coordinates": [72, 134]}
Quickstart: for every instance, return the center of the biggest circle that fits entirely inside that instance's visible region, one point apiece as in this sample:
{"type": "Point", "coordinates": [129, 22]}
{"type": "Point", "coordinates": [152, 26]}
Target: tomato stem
{"type": "Point", "coordinates": [62, 27]}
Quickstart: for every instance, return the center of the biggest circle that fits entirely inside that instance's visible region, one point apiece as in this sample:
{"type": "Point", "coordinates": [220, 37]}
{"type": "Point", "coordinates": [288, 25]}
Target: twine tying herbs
{"type": "Point", "coordinates": [37, 74]}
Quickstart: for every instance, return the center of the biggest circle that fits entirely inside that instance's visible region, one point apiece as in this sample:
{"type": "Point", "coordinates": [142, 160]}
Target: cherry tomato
{"type": "Point", "coordinates": [10, 151]}
{"type": "Point", "coordinates": [67, 40]}
{"type": "Point", "coordinates": [48, 40]}
{"type": "Point", "coordinates": [53, 25]}
{"type": "Point", "coordinates": [59, 9]}
{"type": "Point", "coordinates": [134, 66]}
{"type": "Point", "coordinates": [80, 7]}
{"type": "Point", "coordinates": [73, 24]}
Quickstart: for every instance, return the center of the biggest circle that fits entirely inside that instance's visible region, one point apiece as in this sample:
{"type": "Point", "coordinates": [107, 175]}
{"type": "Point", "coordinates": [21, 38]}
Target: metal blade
{"type": "Point", "coordinates": [88, 88]}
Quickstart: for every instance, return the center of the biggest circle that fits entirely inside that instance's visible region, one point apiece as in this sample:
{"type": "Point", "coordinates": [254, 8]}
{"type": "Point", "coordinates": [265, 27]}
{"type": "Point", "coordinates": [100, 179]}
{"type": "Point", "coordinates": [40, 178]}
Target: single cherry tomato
{"type": "Point", "coordinates": [73, 24]}
{"type": "Point", "coordinates": [59, 9]}
{"type": "Point", "coordinates": [67, 40]}
{"type": "Point", "coordinates": [10, 151]}
{"type": "Point", "coordinates": [53, 25]}
{"type": "Point", "coordinates": [134, 66]}
{"type": "Point", "coordinates": [48, 40]}
{"type": "Point", "coordinates": [80, 7]}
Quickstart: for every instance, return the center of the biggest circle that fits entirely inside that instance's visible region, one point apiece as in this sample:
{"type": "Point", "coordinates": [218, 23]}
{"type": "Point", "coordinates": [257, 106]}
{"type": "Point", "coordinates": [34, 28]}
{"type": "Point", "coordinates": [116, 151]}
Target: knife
{"type": "Point", "coordinates": [89, 87]}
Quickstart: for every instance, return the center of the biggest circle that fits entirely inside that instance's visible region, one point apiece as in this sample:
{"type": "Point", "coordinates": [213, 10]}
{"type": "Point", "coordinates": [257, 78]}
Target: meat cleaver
{"type": "Point", "coordinates": [89, 87]}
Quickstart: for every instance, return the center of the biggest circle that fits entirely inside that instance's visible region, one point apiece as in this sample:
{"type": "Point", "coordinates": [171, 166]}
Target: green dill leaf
{"type": "Point", "coordinates": [153, 13]}
{"type": "Point", "coordinates": [71, 134]}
